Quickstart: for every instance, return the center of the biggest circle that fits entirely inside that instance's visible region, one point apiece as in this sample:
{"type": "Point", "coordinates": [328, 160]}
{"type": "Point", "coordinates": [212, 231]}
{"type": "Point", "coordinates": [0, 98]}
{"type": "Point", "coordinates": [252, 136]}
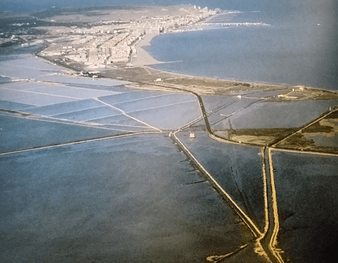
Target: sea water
{"type": "Point", "coordinates": [297, 46]}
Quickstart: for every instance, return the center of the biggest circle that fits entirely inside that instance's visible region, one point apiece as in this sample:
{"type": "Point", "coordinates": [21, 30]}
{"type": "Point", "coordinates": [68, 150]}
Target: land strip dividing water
{"type": "Point", "coordinates": [145, 78]}
{"type": "Point", "coordinates": [75, 143]}
{"type": "Point", "coordinates": [265, 241]}
{"type": "Point", "coordinates": [268, 239]}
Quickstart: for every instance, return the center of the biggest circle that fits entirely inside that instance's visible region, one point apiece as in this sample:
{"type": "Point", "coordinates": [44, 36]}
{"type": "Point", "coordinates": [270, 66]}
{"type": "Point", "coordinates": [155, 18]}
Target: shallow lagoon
{"type": "Point", "coordinates": [307, 196]}
{"type": "Point", "coordinates": [132, 199]}
{"type": "Point", "coordinates": [238, 168]}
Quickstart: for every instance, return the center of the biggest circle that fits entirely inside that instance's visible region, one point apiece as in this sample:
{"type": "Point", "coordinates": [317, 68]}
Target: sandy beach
{"type": "Point", "coordinates": [135, 164]}
{"type": "Point", "coordinates": [143, 58]}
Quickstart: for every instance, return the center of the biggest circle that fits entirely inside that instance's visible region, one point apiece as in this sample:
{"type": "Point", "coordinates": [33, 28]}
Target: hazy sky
{"type": "Point", "coordinates": [23, 5]}
{"type": "Point", "coordinates": [18, 5]}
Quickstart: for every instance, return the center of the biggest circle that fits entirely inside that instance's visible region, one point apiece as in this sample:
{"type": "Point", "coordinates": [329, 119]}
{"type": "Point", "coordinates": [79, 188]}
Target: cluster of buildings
{"type": "Point", "coordinates": [114, 42]}
{"type": "Point", "coordinates": [237, 24]}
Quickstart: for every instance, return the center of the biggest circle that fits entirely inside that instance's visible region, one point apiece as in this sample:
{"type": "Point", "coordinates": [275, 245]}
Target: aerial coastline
{"type": "Point", "coordinates": [243, 139]}
{"type": "Point", "coordinates": [111, 45]}
{"type": "Point", "coordinates": [142, 57]}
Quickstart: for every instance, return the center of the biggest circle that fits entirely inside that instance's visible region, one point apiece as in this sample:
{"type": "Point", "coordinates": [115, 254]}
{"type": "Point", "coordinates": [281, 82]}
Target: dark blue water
{"type": "Point", "coordinates": [299, 48]}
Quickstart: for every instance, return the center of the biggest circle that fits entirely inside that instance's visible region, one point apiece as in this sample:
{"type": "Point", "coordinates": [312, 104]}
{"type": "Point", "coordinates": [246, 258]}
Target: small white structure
{"type": "Point", "coordinates": [192, 135]}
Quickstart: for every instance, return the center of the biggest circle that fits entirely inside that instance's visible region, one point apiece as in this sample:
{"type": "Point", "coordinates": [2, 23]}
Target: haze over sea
{"type": "Point", "coordinates": [299, 48]}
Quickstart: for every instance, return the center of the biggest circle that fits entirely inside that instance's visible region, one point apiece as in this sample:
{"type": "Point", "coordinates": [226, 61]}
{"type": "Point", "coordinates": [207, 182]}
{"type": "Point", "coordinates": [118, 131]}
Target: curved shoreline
{"type": "Point", "coordinates": [143, 57]}
{"type": "Point", "coordinates": [202, 85]}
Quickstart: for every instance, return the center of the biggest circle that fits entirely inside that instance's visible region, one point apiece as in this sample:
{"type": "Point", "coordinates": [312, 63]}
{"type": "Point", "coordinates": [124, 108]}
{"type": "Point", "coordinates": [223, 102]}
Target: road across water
{"type": "Point", "coordinates": [89, 173]}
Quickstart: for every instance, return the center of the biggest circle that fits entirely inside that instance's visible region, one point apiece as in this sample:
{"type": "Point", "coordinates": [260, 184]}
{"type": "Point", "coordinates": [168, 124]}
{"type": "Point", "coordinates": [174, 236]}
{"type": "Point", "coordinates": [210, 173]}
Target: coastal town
{"type": "Point", "coordinates": [106, 158]}
{"type": "Point", "coordinates": [113, 41]}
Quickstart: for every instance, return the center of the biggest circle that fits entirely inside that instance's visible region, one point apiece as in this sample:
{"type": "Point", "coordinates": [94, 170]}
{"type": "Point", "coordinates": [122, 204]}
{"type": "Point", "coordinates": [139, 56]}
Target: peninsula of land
{"type": "Point", "coordinates": [109, 42]}
{"type": "Point", "coordinates": [106, 158]}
